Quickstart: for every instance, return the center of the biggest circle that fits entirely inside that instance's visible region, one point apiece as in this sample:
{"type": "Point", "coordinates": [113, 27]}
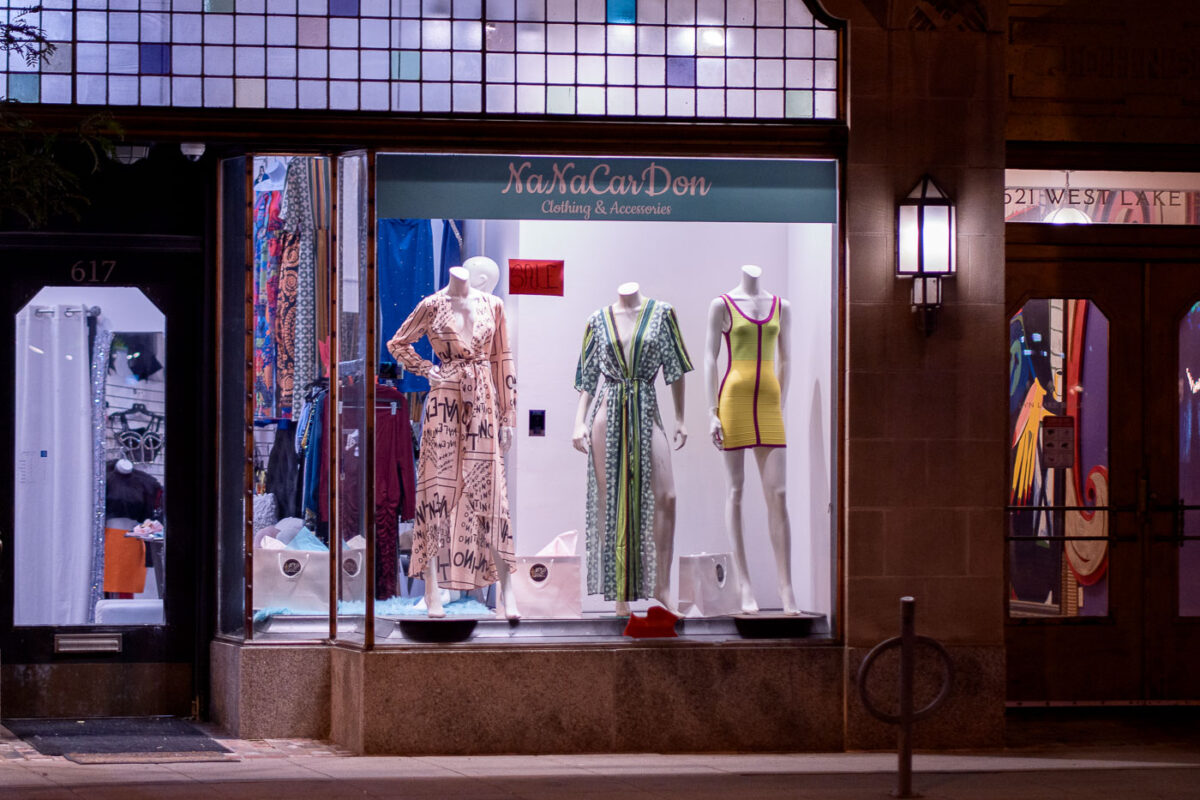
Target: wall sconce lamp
{"type": "Point", "coordinates": [925, 247]}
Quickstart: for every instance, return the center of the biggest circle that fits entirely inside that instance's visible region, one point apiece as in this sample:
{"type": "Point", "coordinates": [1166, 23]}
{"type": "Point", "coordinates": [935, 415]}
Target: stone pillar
{"type": "Point", "coordinates": [925, 425]}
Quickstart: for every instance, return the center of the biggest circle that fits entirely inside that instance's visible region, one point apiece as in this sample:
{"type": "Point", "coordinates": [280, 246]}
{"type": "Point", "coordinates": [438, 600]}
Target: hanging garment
{"type": "Point", "coordinates": [283, 473]}
{"type": "Point", "coordinates": [53, 501]}
{"type": "Point", "coordinates": [268, 250]}
{"type": "Point", "coordinates": [296, 215]}
{"type": "Point", "coordinates": [621, 558]}
{"type": "Point", "coordinates": [451, 255]}
{"type": "Point", "coordinates": [461, 514]}
{"type": "Point", "coordinates": [748, 402]}
{"type": "Point", "coordinates": [394, 489]}
{"type": "Point", "coordinates": [405, 256]}
{"type": "Point", "coordinates": [285, 315]}
{"type": "Point", "coordinates": [312, 435]}
{"type": "Point", "coordinates": [124, 562]}
{"type": "Point", "coordinates": [136, 495]}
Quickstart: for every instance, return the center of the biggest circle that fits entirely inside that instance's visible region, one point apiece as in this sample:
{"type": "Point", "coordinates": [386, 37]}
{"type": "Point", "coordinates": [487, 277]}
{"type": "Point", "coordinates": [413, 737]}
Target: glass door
{"type": "Point", "coordinates": [1103, 478]}
{"type": "Point", "coordinates": [102, 449]}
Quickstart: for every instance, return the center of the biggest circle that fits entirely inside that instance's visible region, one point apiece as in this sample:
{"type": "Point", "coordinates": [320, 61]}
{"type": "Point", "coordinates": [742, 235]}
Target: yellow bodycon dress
{"type": "Point", "coordinates": [748, 400]}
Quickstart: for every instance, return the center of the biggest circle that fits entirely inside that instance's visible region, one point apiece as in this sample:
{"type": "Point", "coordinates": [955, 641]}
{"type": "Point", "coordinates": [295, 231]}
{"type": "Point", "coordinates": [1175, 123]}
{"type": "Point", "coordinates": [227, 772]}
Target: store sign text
{"type": "Point", "coordinates": [653, 181]}
{"type": "Point", "coordinates": [528, 276]}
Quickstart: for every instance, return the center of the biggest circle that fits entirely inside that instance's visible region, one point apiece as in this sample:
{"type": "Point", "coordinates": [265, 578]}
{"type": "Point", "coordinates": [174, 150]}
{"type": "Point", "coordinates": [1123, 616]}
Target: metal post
{"type": "Point", "coordinates": [908, 645]}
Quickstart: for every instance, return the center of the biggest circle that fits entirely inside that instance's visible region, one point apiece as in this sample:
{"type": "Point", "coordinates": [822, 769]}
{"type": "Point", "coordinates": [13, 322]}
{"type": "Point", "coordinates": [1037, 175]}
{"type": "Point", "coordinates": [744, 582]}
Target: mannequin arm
{"type": "Point", "coordinates": [579, 438]}
{"type": "Point", "coordinates": [712, 381]}
{"type": "Point", "coordinates": [680, 429]}
{"type": "Point", "coordinates": [783, 350]}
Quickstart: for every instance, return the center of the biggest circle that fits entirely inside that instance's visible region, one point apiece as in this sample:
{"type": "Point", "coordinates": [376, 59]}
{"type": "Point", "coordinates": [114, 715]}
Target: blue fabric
{"type": "Point", "coordinates": [312, 461]}
{"type": "Point", "coordinates": [405, 257]}
{"type": "Point", "coordinates": [394, 607]}
{"type": "Point", "coordinates": [307, 540]}
{"type": "Point", "coordinates": [451, 251]}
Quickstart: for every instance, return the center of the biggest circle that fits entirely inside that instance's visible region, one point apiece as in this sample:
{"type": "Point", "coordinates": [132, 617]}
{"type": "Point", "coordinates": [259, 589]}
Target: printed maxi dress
{"type": "Point", "coordinates": [461, 513]}
{"type": "Point", "coordinates": [621, 558]}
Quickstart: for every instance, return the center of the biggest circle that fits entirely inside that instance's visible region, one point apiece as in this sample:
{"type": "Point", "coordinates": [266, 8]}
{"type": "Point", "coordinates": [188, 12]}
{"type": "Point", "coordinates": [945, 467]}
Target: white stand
{"type": "Point", "coordinates": [662, 481]}
{"type": "Point", "coordinates": [772, 461]}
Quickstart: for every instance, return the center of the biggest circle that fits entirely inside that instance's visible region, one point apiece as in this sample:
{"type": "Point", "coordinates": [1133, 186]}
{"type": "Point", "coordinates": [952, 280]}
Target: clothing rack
{"type": "Point", "coordinates": [69, 311]}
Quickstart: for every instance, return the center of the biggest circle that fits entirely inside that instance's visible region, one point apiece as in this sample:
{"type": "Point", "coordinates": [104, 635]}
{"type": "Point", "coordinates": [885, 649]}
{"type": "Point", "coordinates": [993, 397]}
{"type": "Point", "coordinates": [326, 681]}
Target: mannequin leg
{"type": "Point", "coordinates": [772, 467]}
{"type": "Point", "coordinates": [662, 483]}
{"type": "Point", "coordinates": [735, 476]}
{"type": "Point", "coordinates": [599, 450]}
{"type": "Point", "coordinates": [507, 598]}
{"type": "Point", "coordinates": [433, 593]}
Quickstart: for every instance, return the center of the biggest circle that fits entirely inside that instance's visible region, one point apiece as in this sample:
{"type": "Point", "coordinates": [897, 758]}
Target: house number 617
{"type": "Point", "coordinates": [92, 271]}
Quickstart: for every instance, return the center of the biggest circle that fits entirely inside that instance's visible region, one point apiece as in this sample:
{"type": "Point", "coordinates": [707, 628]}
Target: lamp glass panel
{"type": "Point", "coordinates": [910, 237]}
{"type": "Point", "coordinates": [935, 238]}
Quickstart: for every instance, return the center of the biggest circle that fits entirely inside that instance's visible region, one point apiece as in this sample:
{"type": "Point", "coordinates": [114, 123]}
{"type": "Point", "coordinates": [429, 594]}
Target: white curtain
{"type": "Point", "coordinates": [52, 539]}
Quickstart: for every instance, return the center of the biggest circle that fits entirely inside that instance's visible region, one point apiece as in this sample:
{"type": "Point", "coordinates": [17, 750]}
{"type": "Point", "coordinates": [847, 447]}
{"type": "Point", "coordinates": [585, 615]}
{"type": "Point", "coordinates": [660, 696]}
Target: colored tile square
{"type": "Point", "coordinates": [24, 87]}
{"type": "Point", "coordinates": [798, 104]}
{"type": "Point", "coordinates": [219, 6]}
{"type": "Point", "coordinates": [406, 65]}
{"type": "Point", "coordinates": [343, 8]}
{"type": "Point", "coordinates": [621, 12]}
{"type": "Point", "coordinates": [681, 71]}
{"type": "Point", "coordinates": [154, 59]}
{"type": "Point", "coordinates": [313, 31]}
{"type": "Point", "coordinates": [60, 59]}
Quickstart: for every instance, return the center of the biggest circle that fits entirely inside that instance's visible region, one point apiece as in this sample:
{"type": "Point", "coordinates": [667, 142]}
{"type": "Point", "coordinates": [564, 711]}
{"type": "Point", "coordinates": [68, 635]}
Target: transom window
{"type": "Point", "coordinates": [755, 59]}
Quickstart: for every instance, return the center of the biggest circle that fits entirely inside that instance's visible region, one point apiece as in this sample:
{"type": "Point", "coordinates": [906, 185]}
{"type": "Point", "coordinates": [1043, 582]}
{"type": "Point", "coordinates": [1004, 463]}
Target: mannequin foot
{"type": "Point", "coordinates": [749, 604]}
{"type": "Point", "coordinates": [509, 604]}
{"type": "Point", "coordinates": [667, 604]}
{"type": "Point", "coordinates": [622, 608]}
{"type": "Point", "coordinates": [433, 604]}
{"type": "Point", "coordinates": [789, 605]}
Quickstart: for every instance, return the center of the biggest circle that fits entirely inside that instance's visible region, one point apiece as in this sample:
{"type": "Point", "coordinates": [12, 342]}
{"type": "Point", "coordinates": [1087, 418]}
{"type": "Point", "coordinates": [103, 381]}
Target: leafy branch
{"type": "Point", "coordinates": [18, 35]}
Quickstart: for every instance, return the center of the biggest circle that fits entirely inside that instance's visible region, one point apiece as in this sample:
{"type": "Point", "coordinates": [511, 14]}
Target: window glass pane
{"type": "Point", "coordinates": [1058, 467]}
{"type": "Point", "coordinates": [1102, 197]}
{"type": "Point", "coordinates": [91, 413]}
{"type": "Point", "coordinates": [1189, 460]}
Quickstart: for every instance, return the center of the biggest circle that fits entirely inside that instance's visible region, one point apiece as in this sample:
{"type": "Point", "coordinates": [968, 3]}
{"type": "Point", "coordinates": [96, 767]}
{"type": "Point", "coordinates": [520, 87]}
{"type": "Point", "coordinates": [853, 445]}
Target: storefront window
{"type": "Point", "coordinates": [288, 390]}
{"type": "Point", "coordinates": [1189, 461]}
{"type": "Point", "coordinates": [606, 277]}
{"type": "Point", "coordinates": [1059, 539]}
{"type": "Point", "coordinates": [91, 441]}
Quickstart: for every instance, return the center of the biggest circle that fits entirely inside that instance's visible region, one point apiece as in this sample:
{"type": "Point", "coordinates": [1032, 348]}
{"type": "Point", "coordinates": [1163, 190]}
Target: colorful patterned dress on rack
{"type": "Point", "coordinates": [268, 253]}
{"type": "Point", "coordinates": [461, 514]}
{"type": "Point", "coordinates": [621, 558]}
{"type": "Point", "coordinates": [748, 402]}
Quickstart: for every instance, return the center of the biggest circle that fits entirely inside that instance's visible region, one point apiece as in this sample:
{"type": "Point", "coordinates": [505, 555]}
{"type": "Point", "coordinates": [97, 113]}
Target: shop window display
{"type": "Point", "coordinates": [513, 328]}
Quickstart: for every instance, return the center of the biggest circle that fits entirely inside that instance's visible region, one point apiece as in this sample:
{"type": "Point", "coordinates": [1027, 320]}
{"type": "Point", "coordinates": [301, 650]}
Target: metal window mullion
{"type": "Point", "coordinates": [370, 361]}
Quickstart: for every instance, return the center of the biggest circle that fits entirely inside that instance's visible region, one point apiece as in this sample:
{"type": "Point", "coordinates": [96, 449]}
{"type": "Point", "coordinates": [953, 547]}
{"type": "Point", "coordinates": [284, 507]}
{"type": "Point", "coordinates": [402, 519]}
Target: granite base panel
{"type": "Point", "coordinates": [971, 717]}
{"type": "Point", "coordinates": [96, 689]}
{"type": "Point", "coordinates": [658, 697]}
{"type": "Point", "coordinates": [270, 692]}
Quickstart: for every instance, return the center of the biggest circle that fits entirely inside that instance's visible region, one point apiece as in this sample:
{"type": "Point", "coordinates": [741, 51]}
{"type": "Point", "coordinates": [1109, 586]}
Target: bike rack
{"type": "Point", "coordinates": [907, 641]}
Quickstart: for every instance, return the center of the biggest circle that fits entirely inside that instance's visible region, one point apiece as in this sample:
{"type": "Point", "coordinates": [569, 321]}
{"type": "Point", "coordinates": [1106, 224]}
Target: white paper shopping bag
{"type": "Point", "coordinates": [297, 580]}
{"type": "Point", "coordinates": [708, 585]}
{"type": "Point", "coordinates": [549, 585]}
{"type": "Point", "coordinates": [354, 572]}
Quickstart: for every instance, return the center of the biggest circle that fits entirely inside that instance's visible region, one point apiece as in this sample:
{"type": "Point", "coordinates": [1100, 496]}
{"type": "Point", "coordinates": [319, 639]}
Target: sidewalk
{"type": "Point", "coordinates": [294, 769]}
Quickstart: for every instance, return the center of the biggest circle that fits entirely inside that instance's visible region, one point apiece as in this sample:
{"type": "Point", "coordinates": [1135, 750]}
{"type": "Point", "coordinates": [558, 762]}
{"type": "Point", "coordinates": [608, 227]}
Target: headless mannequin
{"type": "Point", "coordinates": [772, 461]}
{"type": "Point", "coordinates": [662, 481]}
{"type": "Point", "coordinates": [462, 301]}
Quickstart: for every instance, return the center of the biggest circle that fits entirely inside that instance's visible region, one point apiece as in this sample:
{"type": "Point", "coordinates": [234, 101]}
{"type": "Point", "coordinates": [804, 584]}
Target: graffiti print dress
{"type": "Point", "coordinates": [462, 495]}
{"type": "Point", "coordinates": [621, 558]}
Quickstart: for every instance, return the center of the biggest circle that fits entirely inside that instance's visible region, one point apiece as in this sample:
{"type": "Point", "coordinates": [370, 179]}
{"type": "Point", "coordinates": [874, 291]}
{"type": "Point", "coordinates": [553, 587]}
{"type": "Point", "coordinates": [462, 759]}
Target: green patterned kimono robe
{"type": "Point", "coordinates": [621, 558]}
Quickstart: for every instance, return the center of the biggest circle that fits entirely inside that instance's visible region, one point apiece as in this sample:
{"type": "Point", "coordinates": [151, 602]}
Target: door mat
{"type": "Point", "coordinates": [148, 758]}
{"type": "Point", "coordinates": [126, 737]}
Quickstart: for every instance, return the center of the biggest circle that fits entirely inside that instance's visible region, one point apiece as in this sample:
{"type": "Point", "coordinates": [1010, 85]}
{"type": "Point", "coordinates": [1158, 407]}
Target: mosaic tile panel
{"type": "Point", "coordinates": [712, 59]}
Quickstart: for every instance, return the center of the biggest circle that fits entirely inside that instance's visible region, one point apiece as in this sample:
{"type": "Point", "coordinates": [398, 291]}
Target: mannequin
{"type": "Point", "coordinates": [750, 403]}
{"type": "Point", "coordinates": [462, 539]}
{"type": "Point", "coordinates": [484, 274]}
{"type": "Point", "coordinates": [594, 437]}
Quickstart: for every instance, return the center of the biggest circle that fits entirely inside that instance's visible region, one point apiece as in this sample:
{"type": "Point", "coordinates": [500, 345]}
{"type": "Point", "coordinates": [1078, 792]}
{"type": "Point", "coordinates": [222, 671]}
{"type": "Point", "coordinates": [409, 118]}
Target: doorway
{"type": "Point", "coordinates": [1103, 481]}
{"type": "Point", "coordinates": [102, 474]}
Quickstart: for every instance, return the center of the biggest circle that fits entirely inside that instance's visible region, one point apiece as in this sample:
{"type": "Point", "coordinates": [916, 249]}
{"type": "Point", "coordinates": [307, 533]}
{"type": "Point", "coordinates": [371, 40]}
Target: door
{"type": "Point", "coordinates": [102, 471]}
{"type": "Point", "coordinates": [1102, 563]}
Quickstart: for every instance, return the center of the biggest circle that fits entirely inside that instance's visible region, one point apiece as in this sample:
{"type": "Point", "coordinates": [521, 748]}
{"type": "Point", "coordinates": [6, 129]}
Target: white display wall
{"type": "Point", "coordinates": [687, 264]}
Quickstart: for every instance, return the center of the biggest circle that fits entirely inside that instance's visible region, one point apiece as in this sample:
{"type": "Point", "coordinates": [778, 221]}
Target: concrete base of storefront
{"type": "Point", "coordinates": [660, 696]}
